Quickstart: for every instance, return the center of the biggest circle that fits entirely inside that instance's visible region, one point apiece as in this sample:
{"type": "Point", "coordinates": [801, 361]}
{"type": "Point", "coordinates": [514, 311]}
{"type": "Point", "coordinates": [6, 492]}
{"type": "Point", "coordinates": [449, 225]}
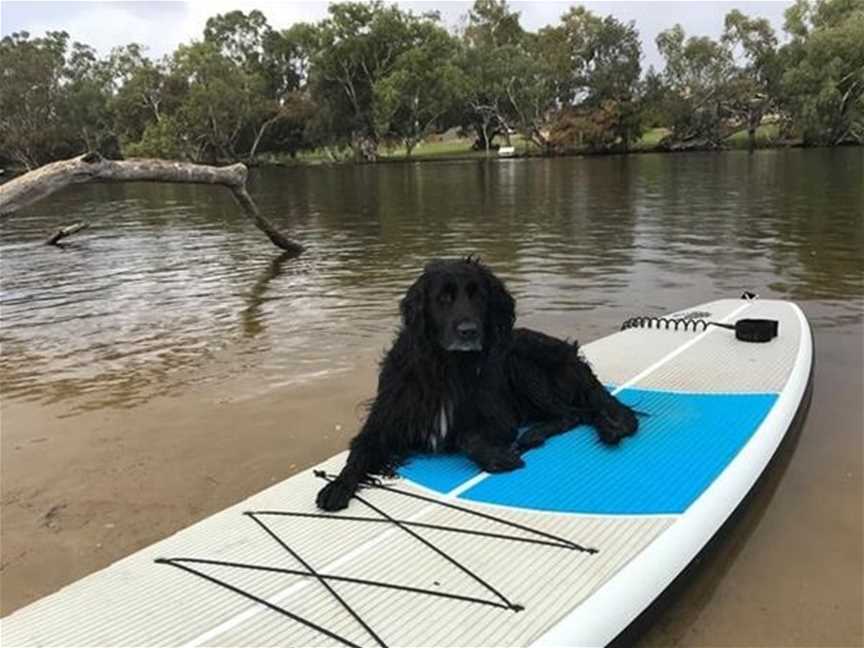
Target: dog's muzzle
{"type": "Point", "coordinates": [467, 337]}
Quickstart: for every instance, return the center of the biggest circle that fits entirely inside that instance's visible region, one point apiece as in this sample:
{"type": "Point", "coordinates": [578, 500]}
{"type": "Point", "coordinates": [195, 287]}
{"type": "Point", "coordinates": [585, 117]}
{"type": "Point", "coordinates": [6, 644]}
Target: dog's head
{"type": "Point", "coordinates": [458, 306]}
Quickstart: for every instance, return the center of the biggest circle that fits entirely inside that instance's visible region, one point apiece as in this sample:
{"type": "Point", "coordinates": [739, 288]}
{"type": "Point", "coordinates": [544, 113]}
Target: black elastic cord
{"type": "Point", "coordinates": [343, 579]}
{"type": "Point", "coordinates": [486, 516]}
{"type": "Point", "coordinates": [422, 525]}
{"type": "Point", "coordinates": [404, 525]}
{"type": "Point", "coordinates": [257, 599]}
{"type": "Point", "coordinates": [323, 582]}
{"type": "Point", "coordinates": [450, 559]}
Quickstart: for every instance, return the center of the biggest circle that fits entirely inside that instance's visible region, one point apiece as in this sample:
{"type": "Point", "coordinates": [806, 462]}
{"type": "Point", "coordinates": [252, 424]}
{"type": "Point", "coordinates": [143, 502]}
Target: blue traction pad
{"type": "Point", "coordinates": [683, 444]}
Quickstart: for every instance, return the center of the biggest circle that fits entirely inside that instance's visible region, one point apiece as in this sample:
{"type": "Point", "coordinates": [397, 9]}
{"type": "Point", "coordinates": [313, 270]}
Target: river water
{"type": "Point", "coordinates": [168, 276]}
{"type": "Point", "coordinates": [172, 287]}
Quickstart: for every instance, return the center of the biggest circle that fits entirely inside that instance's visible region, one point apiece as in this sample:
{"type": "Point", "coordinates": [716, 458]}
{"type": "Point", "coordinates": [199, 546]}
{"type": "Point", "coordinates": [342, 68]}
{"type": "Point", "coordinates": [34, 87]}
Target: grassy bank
{"type": "Point", "coordinates": [767, 136]}
{"type": "Point", "coordinates": [458, 148]}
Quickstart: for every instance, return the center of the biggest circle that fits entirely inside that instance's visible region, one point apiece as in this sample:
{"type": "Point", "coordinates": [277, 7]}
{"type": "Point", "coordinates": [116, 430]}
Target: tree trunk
{"type": "Point", "coordinates": [486, 142]}
{"type": "Point", "coordinates": [44, 181]}
{"type": "Point", "coordinates": [260, 134]}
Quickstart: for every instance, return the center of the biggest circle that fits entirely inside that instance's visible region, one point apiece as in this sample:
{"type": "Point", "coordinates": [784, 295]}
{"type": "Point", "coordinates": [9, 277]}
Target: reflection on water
{"type": "Point", "coordinates": [172, 285]}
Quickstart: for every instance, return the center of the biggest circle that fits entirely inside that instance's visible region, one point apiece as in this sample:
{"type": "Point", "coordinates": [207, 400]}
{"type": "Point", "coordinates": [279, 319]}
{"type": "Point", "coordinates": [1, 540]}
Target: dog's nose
{"type": "Point", "coordinates": [468, 331]}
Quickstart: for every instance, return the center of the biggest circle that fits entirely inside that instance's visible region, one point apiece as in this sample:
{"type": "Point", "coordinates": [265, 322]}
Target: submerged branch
{"type": "Point", "coordinates": [63, 232]}
{"type": "Point", "coordinates": [92, 167]}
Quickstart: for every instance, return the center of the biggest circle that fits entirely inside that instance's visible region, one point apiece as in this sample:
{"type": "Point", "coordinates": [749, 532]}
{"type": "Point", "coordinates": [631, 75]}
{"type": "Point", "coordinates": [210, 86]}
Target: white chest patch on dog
{"type": "Point", "coordinates": [439, 433]}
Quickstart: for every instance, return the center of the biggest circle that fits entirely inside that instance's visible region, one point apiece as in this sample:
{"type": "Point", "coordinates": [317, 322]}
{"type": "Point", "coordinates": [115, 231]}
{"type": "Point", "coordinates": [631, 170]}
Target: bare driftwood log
{"type": "Point", "coordinates": [63, 232]}
{"type": "Point", "coordinates": [44, 181]}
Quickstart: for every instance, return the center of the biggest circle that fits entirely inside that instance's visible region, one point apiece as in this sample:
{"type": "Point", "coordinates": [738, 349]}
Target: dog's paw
{"type": "Point", "coordinates": [501, 460]}
{"type": "Point", "coordinates": [615, 423]}
{"type": "Point", "coordinates": [531, 438]}
{"type": "Point", "coordinates": [335, 495]}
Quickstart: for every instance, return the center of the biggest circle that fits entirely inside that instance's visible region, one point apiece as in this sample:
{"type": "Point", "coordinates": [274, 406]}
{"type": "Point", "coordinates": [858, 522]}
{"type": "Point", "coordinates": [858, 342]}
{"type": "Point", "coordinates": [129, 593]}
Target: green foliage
{"type": "Point", "coordinates": [698, 72]}
{"type": "Point", "coordinates": [372, 72]}
{"type": "Point", "coordinates": [354, 49]}
{"type": "Point", "coordinates": [601, 81]}
{"type": "Point", "coordinates": [823, 78]}
{"type": "Point", "coordinates": [424, 83]}
{"type": "Point", "coordinates": [32, 71]}
{"type": "Point", "coordinates": [160, 139]}
{"type": "Point", "coordinates": [492, 24]}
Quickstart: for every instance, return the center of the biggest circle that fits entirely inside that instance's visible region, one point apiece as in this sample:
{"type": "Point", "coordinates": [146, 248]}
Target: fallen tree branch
{"type": "Point", "coordinates": [63, 232]}
{"type": "Point", "coordinates": [92, 167]}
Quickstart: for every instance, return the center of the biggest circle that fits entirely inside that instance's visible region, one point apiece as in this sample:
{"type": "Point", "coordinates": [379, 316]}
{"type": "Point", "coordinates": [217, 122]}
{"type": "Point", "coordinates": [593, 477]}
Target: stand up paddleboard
{"type": "Point", "coordinates": [568, 550]}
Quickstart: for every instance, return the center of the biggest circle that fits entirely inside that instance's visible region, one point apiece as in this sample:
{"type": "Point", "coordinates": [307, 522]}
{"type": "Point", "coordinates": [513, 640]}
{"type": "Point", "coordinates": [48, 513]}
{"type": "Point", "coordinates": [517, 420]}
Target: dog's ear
{"type": "Point", "coordinates": [502, 307]}
{"type": "Point", "coordinates": [413, 307]}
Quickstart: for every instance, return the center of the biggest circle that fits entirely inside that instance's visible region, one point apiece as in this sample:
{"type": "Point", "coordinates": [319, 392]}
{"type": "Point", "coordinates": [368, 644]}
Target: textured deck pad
{"type": "Point", "coordinates": [141, 603]}
{"type": "Point", "coordinates": [684, 442]}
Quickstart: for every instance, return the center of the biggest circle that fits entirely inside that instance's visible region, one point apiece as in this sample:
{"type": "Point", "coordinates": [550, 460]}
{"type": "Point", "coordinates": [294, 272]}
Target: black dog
{"type": "Point", "coordinates": [460, 378]}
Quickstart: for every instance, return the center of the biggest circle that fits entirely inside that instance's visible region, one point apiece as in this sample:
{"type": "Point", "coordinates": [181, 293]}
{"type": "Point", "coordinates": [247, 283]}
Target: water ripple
{"type": "Point", "coordinates": [172, 285]}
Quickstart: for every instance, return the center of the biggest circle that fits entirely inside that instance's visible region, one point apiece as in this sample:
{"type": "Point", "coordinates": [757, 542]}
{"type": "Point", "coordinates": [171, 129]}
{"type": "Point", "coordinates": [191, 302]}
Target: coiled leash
{"type": "Point", "coordinates": [746, 330]}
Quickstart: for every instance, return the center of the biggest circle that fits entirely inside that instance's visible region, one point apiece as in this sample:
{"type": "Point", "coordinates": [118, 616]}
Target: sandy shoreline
{"type": "Point", "coordinates": [80, 492]}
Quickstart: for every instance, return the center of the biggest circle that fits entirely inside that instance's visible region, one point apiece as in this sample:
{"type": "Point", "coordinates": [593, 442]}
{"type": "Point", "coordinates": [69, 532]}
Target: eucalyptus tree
{"type": "Point", "coordinates": [144, 91]}
{"type": "Point", "coordinates": [593, 68]}
{"type": "Point", "coordinates": [698, 73]}
{"type": "Point", "coordinates": [85, 107]}
{"type": "Point", "coordinates": [355, 48]}
{"type": "Point", "coordinates": [753, 86]}
{"type": "Point", "coordinates": [490, 56]}
{"type": "Point", "coordinates": [535, 83]}
{"type": "Point", "coordinates": [271, 62]}
{"type": "Point", "coordinates": [31, 90]}
{"type": "Point", "coordinates": [423, 85]}
{"type": "Point", "coordinates": [823, 79]}
{"type": "Point", "coordinates": [222, 102]}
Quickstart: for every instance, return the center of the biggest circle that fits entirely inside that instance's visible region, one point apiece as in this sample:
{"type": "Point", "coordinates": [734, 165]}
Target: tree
{"type": "Point", "coordinates": [423, 85]}
{"type": "Point", "coordinates": [654, 98]}
{"type": "Point", "coordinates": [492, 24]}
{"type": "Point", "coordinates": [492, 41]}
{"type": "Point", "coordinates": [823, 82]}
{"type": "Point", "coordinates": [272, 63]}
{"type": "Point", "coordinates": [222, 107]}
{"type": "Point", "coordinates": [85, 109]}
{"type": "Point", "coordinates": [698, 71]}
{"type": "Point", "coordinates": [536, 75]}
{"type": "Point", "coordinates": [753, 86]}
{"type": "Point", "coordinates": [31, 72]}
{"type": "Point", "coordinates": [355, 48]}
{"type": "Point", "coordinates": [598, 84]}
{"type": "Point", "coordinates": [145, 92]}
{"type": "Point", "coordinates": [604, 57]}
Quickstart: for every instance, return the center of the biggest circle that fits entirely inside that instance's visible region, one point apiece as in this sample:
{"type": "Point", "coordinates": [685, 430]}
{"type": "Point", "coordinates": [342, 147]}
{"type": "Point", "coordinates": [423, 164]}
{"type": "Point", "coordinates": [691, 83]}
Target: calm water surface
{"type": "Point", "coordinates": [172, 285]}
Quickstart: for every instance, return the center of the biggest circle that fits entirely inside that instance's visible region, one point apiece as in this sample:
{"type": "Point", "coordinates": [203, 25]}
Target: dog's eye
{"type": "Point", "coordinates": [447, 294]}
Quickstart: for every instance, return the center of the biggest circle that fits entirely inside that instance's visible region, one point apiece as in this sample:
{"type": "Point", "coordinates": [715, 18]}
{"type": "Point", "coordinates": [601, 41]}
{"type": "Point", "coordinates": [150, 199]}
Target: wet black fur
{"type": "Point", "coordinates": [520, 377]}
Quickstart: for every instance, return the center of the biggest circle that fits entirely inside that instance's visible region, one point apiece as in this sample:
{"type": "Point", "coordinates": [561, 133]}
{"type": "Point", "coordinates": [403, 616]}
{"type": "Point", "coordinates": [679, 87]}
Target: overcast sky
{"type": "Point", "coordinates": [161, 26]}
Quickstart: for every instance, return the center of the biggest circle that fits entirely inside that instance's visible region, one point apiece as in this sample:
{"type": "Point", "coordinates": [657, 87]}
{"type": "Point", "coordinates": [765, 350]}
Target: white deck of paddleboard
{"type": "Point", "coordinates": [569, 597]}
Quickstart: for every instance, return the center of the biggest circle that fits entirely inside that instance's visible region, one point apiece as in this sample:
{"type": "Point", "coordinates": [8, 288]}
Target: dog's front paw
{"type": "Point", "coordinates": [616, 422]}
{"type": "Point", "coordinates": [531, 438]}
{"type": "Point", "coordinates": [335, 495]}
{"type": "Point", "coordinates": [496, 460]}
